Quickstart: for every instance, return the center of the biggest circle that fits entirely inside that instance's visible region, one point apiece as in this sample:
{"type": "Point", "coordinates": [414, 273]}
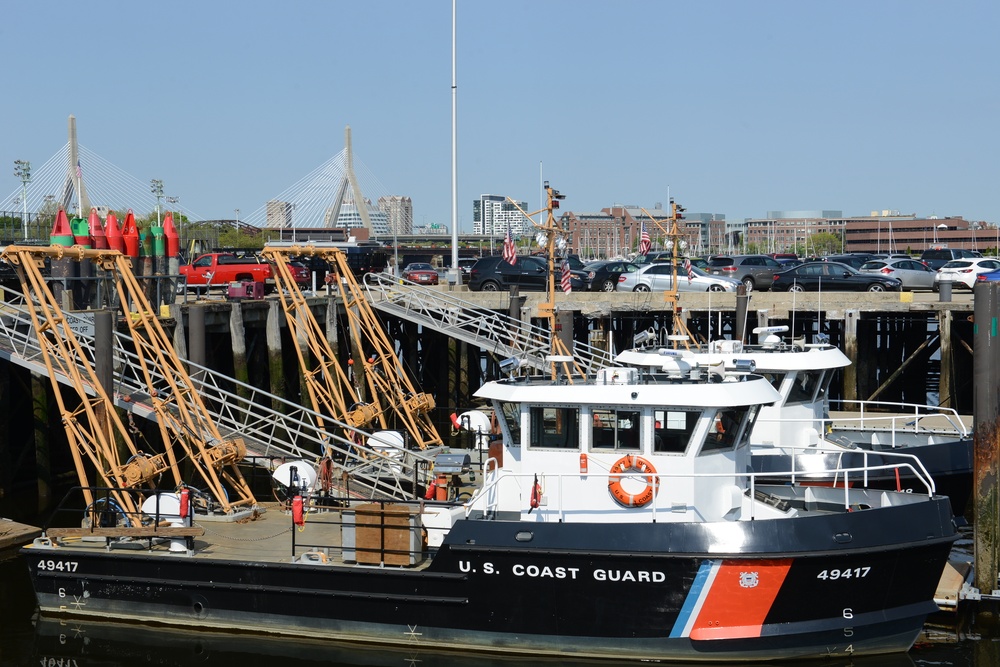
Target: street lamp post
{"type": "Point", "coordinates": [22, 170]}
{"type": "Point", "coordinates": [237, 211]}
{"type": "Point", "coordinates": [156, 187]}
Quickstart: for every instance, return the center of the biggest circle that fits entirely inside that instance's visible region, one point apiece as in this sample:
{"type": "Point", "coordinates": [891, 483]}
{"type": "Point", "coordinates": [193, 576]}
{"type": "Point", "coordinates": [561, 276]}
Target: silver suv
{"type": "Point", "coordinates": [754, 271]}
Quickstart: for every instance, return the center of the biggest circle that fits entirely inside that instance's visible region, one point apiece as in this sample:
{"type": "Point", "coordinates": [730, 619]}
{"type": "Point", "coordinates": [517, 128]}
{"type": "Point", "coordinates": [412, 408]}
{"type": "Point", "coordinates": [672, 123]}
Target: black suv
{"type": "Point", "coordinates": [938, 257]}
{"type": "Point", "coordinates": [529, 273]}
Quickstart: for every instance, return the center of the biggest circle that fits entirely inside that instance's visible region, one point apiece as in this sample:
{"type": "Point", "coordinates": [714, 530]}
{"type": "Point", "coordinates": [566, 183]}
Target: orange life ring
{"type": "Point", "coordinates": [638, 464]}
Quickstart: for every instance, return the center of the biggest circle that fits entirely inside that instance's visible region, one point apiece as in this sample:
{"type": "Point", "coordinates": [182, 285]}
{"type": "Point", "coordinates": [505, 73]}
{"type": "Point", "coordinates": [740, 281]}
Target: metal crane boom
{"type": "Point", "coordinates": [91, 428]}
{"type": "Point", "coordinates": [390, 390]}
{"type": "Point", "coordinates": [182, 416]}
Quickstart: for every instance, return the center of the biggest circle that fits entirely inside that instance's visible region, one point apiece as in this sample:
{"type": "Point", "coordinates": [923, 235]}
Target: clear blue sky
{"type": "Point", "coordinates": [737, 107]}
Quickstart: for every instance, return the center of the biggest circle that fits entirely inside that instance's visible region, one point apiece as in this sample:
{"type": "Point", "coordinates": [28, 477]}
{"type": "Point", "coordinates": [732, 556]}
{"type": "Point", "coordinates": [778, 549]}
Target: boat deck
{"type": "Point", "coordinates": [373, 538]}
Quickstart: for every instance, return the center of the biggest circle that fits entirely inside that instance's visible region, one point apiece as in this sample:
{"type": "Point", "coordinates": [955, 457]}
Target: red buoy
{"type": "Point", "coordinates": [297, 517]}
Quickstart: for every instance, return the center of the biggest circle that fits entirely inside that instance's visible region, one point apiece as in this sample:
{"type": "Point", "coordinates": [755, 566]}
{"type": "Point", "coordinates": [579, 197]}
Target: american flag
{"type": "Point", "coordinates": [567, 277]}
{"type": "Point", "coordinates": [509, 249]}
{"type": "Point", "coordinates": [644, 243]}
{"type": "Point", "coordinates": [79, 171]}
{"type": "Point", "coordinates": [689, 268]}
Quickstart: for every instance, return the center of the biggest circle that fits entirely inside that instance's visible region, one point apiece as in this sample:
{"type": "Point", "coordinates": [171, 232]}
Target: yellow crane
{"type": "Point", "coordinates": [184, 421]}
{"type": "Point", "coordinates": [92, 427]}
{"type": "Point", "coordinates": [375, 367]}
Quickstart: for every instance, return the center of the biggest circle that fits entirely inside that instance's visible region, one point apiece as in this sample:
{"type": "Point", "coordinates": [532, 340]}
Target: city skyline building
{"type": "Point", "coordinates": [399, 213]}
{"type": "Point", "coordinates": [491, 215]}
{"type": "Point", "coordinates": [278, 214]}
{"type": "Point", "coordinates": [351, 216]}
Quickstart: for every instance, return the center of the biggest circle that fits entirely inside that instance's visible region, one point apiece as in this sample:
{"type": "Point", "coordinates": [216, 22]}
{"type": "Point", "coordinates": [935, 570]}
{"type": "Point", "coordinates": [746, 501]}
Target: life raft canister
{"type": "Point", "coordinates": [185, 502]}
{"type": "Point", "coordinates": [628, 464]}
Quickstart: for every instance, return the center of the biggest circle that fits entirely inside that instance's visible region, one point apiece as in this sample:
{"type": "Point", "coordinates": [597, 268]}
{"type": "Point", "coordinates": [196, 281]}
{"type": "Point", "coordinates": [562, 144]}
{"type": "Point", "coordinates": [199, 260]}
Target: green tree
{"type": "Point", "coordinates": [824, 243]}
{"type": "Point", "coordinates": [246, 237]}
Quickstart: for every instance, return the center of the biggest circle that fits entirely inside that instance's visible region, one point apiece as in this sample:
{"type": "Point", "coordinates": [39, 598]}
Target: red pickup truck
{"type": "Point", "coordinates": [221, 268]}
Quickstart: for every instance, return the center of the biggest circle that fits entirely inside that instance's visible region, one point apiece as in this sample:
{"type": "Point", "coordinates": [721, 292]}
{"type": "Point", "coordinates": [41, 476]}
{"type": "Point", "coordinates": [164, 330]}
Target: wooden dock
{"type": "Point", "coordinates": [14, 535]}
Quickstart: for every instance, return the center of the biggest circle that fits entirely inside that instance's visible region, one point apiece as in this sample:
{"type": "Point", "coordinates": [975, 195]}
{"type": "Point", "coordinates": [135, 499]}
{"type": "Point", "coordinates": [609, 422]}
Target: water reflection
{"type": "Point", "coordinates": [76, 644]}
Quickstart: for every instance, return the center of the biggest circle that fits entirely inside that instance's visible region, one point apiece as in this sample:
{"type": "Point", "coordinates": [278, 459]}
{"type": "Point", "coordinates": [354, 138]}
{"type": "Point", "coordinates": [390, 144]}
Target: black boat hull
{"type": "Point", "coordinates": [842, 584]}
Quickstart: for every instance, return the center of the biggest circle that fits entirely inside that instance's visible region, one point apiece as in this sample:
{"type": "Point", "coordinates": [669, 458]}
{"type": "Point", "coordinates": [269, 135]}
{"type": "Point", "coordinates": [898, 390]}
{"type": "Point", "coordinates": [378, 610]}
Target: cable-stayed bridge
{"type": "Point", "coordinates": [76, 178]}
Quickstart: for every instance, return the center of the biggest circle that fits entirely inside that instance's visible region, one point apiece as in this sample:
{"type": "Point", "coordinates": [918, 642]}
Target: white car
{"type": "Point", "coordinates": [963, 272]}
{"type": "Point", "coordinates": [658, 277]}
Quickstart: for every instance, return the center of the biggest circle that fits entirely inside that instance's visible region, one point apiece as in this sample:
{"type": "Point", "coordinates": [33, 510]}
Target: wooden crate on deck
{"type": "Point", "coordinates": [384, 534]}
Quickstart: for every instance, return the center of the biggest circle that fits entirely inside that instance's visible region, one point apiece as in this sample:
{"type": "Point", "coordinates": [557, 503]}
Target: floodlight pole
{"type": "Point", "coordinates": [22, 170]}
{"type": "Point", "coordinates": [156, 187]}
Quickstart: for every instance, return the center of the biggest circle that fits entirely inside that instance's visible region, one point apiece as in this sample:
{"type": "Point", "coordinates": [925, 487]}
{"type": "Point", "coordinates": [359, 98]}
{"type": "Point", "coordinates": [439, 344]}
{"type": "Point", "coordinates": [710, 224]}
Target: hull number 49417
{"type": "Point", "coordinates": [58, 565]}
{"type": "Point", "coordinates": [848, 573]}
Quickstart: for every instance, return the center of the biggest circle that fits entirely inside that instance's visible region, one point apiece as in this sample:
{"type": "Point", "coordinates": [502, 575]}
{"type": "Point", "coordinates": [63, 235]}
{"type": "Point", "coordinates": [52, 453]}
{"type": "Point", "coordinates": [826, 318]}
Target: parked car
{"type": "Point", "coordinates": [912, 273]}
{"type": "Point", "coordinates": [890, 255]}
{"type": "Point", "coordinates": [963, 272]}
{"type": "Point", "coordinates": [668, 256]}
{"type": "Point", "coordinates": [659, 277]}
{"type": "Point", "coordinates": [529, 273]}
{"type": "Point", "coordinates": [855, 260]}
{"type": "Point", "coordinates": [754, 271]}
{"type": "Point", "coordinates": [300, 273]}
{"type": "Point", "coordinates": [421, 272]}
{"type": "Point", "coordinates": [603, 276]}
{"type": "Point", "coordinates": [786, 257]}
{"type": "Point", "coordinates": [938, 257]}
{"type": "Point", "coordinates": [988, 277]}
{"type": "Point", "coordinates": [465, 264]}
{"type": "Point", "coordinates": [832, 276]}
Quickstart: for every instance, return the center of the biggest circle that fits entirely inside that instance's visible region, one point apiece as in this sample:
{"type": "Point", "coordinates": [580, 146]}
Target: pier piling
{"type": "Point", "coordinates": [986, 461]}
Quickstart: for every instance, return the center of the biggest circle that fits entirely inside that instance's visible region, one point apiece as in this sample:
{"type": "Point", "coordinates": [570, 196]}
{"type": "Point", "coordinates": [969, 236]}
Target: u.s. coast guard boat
{"type": "Point", "coordinates": [617, 522]}
{"type": "Point", "coordinates": [797, 432]}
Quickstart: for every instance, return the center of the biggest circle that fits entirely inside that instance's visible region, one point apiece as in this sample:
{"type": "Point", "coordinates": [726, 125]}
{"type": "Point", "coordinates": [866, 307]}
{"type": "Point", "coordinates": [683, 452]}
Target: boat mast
{"type": "Point", "coordinates": [559, 357]}
{"type": "Point", "coordinates": [676, 243]}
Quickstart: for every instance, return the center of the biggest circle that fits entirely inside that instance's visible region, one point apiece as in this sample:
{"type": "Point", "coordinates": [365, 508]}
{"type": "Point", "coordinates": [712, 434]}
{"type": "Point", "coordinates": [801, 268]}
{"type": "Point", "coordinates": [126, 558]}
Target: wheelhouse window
{"type": "Point", "coordinates": [806, 386]}
{"type": "Point", "coordinates": [615, 429]}
{"type": "Point", "coordinates": [555, 427]}
{"type": "Point", "coordinates": [774, 378]}
{"type": "Point", "coordinates": [672, 429]}
{"type": "Point", "coordinates": [511, 415]}
{"type": "Point", "coordinates": [728, 428]}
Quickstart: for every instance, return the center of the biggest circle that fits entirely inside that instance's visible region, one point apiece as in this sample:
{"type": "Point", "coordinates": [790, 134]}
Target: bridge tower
{"type": "Point", "coordinates": [351, 181]}
{"type": "Point", "coordinates": [74, 176]}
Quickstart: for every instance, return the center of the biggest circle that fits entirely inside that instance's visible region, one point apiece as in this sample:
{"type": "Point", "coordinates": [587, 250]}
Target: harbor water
{"type": "Point", "coordinates": [28, 640]}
